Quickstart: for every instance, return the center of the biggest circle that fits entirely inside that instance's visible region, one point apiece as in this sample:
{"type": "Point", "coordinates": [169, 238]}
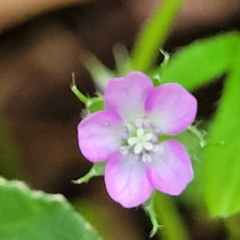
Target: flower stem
{"type": "Point", "coordinates": [150, 210]}
{"type": "Point", "coordinates": [172, 224]}
{"type": "Point", "coordinates": [153, 36]}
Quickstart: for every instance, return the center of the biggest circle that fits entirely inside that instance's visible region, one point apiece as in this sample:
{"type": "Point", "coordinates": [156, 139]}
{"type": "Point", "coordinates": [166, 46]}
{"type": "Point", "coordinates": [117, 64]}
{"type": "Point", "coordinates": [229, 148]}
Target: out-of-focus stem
{"type": "Point", "coordinates": [153, 36]}
{"type": "Point", "coordinates": [172, 224]}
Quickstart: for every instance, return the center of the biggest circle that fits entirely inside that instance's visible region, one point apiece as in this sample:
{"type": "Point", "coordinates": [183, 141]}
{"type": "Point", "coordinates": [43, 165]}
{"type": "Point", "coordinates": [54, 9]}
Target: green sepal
{"type": "Point", "coordinates": [155, 75]}
{"type": "Point", "coordinates": [95, 104]}
{"type": "Point", "coordinates": [82, 98]}
{"type": "Point", "coordinates": [97, 169]}
{"type": "Point", "coordinates": [92, 104]}
{"type": "Point", "coordinates": [165, 60]}
{"type": "Point", "coordinates": [100, 74]}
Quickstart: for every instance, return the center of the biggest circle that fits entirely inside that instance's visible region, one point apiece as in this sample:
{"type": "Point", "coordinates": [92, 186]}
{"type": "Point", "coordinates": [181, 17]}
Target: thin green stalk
{"type": "Point", "coordinates": [172, 225]}
{"type": "Point", "coordinates": [150, 210]}
{"type": "Point", "coordinates": [76, 92]}
{"type": "Point", "coordinates": [153, 36]}
{"type": "Point", "coordinates": [96, 170]}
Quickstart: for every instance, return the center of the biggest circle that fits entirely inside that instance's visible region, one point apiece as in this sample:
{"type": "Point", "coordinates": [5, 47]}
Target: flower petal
{"type": "Point", "coordinates": [171, 108]}
{"type": "Point", "coordinates": [126, 180]}
{"type": "Point", "coordinates": [99, 135]}
{"type": "Point", "coordinates": [127, 95]}
{"type": "Point", "coordinates": [170, 170]}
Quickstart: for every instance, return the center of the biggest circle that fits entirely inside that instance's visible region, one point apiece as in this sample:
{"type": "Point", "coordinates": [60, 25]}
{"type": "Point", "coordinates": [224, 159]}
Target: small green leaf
{"type": "Point", "coordinates": [26, 214]}
{"type": "Point", "coordinates": [222, 159]}
{"type": "Point", "coordinates": [201, 62]}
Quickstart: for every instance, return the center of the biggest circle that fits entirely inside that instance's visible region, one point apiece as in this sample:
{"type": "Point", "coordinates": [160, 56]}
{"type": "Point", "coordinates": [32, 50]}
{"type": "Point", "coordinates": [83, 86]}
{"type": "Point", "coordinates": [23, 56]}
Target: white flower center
{"type": "Point", "coordinates": [140, 139]}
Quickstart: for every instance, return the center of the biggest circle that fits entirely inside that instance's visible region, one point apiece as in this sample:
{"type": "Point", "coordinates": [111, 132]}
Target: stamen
{"type": "Point", "coordinates": [123, 150]}
{"type": "Point", "coordinates": [129, 126]}
{"type": "Point", "coordinates": [124, 134]}
{"type": "Point", "coordinates": [138, 123]}
{"type": "Point", "coordinates": [157, 148]}
{"type": "Point", "coordinates": [146, 158]}
{"type": "Point", "coordinates": [157, 130]}
{"type": "Point", "coordinates": [154, 138]}
{"type": "Point", "coordinates": [146, 123]}
{"type": "Point", "coordinates": [142, 140]}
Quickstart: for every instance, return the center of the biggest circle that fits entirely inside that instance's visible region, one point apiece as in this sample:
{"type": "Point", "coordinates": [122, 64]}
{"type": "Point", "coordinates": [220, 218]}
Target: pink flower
{"type": "Point", "coordinates": [128, 135]}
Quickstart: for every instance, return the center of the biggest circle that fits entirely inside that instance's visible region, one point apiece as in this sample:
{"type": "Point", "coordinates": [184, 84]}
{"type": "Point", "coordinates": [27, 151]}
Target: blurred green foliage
{"type": "Point", "coordinates": [201, 62]}
{"type": "Point", "coordinates": [222, 156]}
{"type": "Point", "coordinates": [194, 66]}
{"type": "Point", "coordinates": [26, 214]}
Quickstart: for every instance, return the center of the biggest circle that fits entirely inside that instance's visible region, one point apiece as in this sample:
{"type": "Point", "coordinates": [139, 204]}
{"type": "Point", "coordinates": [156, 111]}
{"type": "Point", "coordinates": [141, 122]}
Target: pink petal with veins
{"type": "Point", "coordinates": [127, 95]}
{"type": "Point", "coordinates": [170, 170]}
{"type": "Point", "coordinates": [126, 181]}
{"type": "Point", "coordinates": [98, 135]}
{"type": "Point", "coordinates": [171, 108]}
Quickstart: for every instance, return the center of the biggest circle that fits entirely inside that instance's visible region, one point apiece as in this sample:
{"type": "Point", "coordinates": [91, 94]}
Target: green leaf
{"type": "Point", "coordinates": [26, 214]}
{"type": "Point", "coordinates": [201, 62]}
{"type": "Point", "coordinates": [222, 159]}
